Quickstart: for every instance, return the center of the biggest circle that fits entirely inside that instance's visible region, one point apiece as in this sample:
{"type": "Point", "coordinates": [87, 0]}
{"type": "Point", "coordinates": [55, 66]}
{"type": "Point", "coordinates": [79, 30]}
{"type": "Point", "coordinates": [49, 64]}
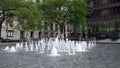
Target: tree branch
{"type": "Point", "coordinates": [9, 9]}
{"type": "Point", "coordinates": [2, 18]}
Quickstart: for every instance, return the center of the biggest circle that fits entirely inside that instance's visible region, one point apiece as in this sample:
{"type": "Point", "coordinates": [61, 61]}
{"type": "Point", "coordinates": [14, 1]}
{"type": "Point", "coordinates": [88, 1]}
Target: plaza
{"type": "Point", "coordinates": [101, 56]}
{"type": "Point", "coordinates": [60, 34]}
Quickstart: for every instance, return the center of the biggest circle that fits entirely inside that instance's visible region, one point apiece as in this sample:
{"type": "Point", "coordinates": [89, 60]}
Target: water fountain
{"type": "Point", "coordinates": [54, 47]}
{"type": "Point", "coordinates": [6, 48]}
{"type": "Point", "coordinates": [12, 49]}
{"type": "Point", "coordinates": [54, 52]}
{"type": "Point", "coordinates": [64, 56]}
{"type": "Point", "coordinates": [26, 47]}
{"type": "Point", "coordinates": [18, 46]}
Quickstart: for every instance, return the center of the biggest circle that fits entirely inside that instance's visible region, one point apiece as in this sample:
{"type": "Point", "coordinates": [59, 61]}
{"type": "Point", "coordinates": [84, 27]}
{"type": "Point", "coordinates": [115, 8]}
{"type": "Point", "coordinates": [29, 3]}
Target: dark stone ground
{"type": "Point", "coordinates": [101, 56]}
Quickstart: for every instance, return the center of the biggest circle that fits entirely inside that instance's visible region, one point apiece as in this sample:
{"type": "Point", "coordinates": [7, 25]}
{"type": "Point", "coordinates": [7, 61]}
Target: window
{"type": "Point", "coordinates": [51, 26]}
{"type": "Point", "coordinates": [91, 4]}
{"type": "Point", "coordinates": [46, 25]}
{"type": "Point", "coordinates": [32, 34]}
{"type": "Point", "coordinates": [70, 27]}
{"type": "Point", "coordinates": [52, 34]}
{"type": "Point", "coordinates": [96, 13]}
{"type": "Point", "coordinates": [114, 1]}
{"type": "Point", "coordinates": [45, 34]}
{"type": "Point", "coordinates": [37, 0]}
{"type": "Point", "coordinates": [97, 3]}
{"type": "Point", "coordinates": [39, 34]}
{"type": "Point", "coordinates": [22, 33]}
{"type": "Point", "coordinates": [56, 27]}
{"type": "Point", "coordinates": [9, 33]}
{"type": "Point", "coordinates": [115, 10]}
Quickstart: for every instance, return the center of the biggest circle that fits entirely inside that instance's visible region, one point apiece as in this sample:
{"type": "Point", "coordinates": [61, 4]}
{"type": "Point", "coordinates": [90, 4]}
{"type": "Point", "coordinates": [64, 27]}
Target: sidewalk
{"type": "Point", "coordinates": [7, 43]}
{"type": "Point", "coordinates": [109, 41]}
{"type": "Point", "coordinates": [106, 41]}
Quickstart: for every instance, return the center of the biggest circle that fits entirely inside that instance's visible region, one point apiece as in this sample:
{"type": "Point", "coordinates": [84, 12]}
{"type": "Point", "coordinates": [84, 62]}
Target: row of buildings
{"type": "Point", "coordinates": [10, 32]}
{"type": "Point", "coordinates": [104, 17]}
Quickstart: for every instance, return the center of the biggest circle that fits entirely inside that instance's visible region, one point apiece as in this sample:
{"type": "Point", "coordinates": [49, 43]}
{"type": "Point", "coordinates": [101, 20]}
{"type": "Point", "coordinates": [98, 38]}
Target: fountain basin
{"type": "Point", "coordinates": [101, 56]}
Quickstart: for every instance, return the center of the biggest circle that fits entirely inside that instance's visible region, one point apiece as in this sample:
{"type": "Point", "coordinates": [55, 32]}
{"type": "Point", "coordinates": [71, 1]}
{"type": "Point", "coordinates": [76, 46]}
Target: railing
{"type": "Point", "coordinates": [103, 6]}
{"type": "Point", "coordinates": [104, 18]}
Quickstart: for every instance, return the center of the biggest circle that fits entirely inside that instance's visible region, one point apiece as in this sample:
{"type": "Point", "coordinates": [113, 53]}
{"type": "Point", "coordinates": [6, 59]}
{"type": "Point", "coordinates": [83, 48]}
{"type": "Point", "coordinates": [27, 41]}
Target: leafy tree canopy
{"type": "Point", "coordinates": [24, 11]}
{"type": "Point", "coordinates": [65, 11]}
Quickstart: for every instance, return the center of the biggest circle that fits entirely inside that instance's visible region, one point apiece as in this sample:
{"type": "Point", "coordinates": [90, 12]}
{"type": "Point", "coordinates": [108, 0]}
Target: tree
{"type": "Point", "coordinates": [62, 12]}
{"type": "Point", "coordinates": [25, 12]}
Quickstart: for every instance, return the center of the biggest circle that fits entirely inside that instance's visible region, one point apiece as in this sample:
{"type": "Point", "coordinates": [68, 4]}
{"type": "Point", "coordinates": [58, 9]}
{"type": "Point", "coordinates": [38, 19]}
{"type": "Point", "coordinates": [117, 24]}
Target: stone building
{"type": "Point", "coordinates": [10, 32]}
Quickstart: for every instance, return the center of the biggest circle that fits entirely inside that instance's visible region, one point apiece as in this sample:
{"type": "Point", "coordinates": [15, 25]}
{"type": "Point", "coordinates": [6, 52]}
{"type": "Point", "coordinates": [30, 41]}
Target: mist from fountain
{"type": "Point", "coordinates": [6, 48]}
{"type": "Point", "coordinates": [54, 52]}
{"type": "Point", "coordinates": [31, 46]}
{"type": "Point", "coordinates": [18, 46]}
{"type": "Point", "coordinates": [26, 47]}
{"type": "Point", "coordinates": [36, 47]}
{"type": "Point", "coordinates": [12, 49]}
{"type": "Point", "coordinates": [81, 46]}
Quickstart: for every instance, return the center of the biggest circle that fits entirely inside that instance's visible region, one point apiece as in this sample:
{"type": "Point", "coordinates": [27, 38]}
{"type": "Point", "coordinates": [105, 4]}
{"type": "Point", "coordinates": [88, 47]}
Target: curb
{"type": "Point", "coordinates": [108, 42]}
{"type": "Point", "coordinates": [6, 44]}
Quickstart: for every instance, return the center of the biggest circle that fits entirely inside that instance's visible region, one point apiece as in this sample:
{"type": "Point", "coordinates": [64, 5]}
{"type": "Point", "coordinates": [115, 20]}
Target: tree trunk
{"type": "Point", "coordinates": [60, 30]}
{"type": "Point", "coordinates": [64, 32]}
{"type": "Point", "coordinates": [0, 30]}
{"type": "Point", "coordinates": [1, 22]}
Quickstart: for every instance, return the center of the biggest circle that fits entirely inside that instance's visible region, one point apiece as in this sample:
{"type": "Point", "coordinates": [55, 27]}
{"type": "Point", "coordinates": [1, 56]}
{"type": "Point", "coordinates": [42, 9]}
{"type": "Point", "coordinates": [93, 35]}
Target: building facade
{"type": "Point", "coordinates": [104, 16]}
{"type": "Point", "coordinates": [9, 31]}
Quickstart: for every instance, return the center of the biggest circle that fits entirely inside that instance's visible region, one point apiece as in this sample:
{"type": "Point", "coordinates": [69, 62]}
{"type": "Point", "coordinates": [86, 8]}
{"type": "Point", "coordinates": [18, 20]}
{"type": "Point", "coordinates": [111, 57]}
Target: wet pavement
{"type": "Point", "coordinates": [109, 41]}
{"type": "Point", "coordinates": [101, 56]}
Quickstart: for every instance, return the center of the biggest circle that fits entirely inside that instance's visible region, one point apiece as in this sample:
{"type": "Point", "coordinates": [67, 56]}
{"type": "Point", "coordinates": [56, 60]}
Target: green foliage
{"type": "Point", "coordinates": [24, 11]}
{"type": "Point", "coordinates": [65, 11]}
{"type": "Point", "coordinates": [30, 14]}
